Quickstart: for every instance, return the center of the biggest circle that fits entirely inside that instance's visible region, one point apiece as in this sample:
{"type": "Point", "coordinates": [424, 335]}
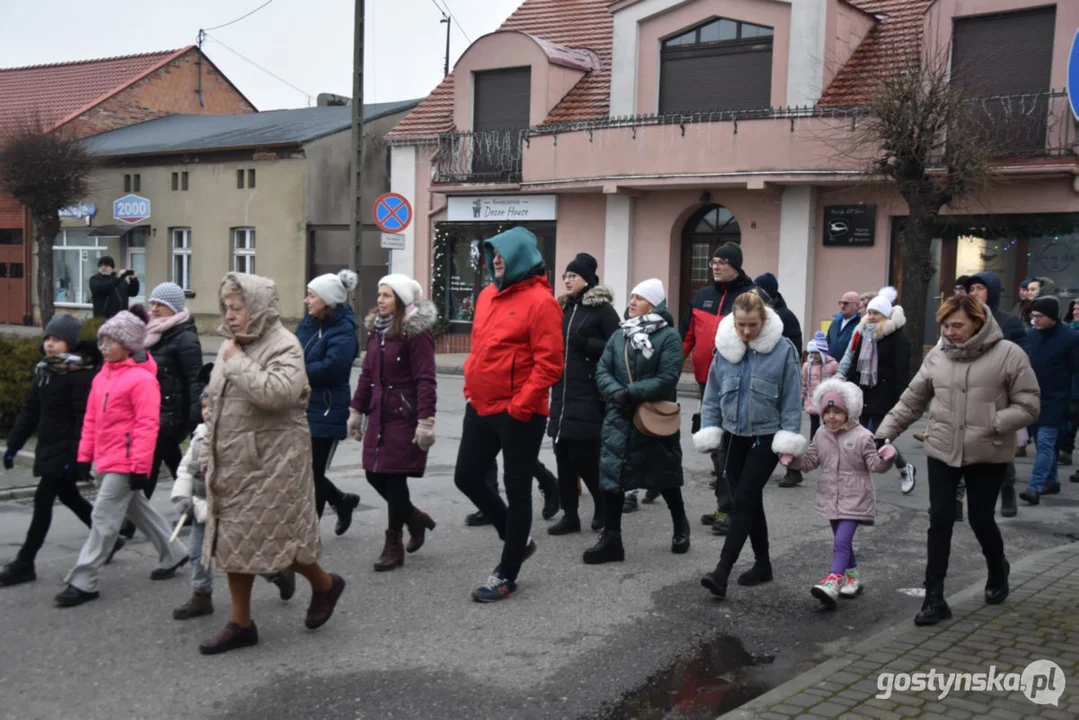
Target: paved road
{"type": "Point", "coordinates": [411, 644]}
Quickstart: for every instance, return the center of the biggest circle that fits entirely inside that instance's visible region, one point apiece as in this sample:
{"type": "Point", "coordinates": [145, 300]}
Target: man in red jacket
{"type": "Point", "coordinates": [517, 355]}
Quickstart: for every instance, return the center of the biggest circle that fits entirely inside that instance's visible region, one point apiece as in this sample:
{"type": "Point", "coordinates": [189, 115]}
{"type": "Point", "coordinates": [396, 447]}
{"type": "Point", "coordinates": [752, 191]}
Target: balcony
{"type": "Point", "coordinates": [486, 156]}
{"type": "Point", "coordinates": [1036, 125]}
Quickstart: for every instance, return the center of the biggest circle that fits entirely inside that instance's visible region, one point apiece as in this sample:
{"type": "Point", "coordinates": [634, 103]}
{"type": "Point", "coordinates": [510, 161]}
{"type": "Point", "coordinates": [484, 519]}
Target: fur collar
{"type": "Point", "coordinates": [889, 326]}
{"type": "Point", "coordinates": [851, 394]}
{"type": "Point", "coordinates": [731, 347]}
{"type": "Point", "coordinates": [599, 295]}
{"type": "Point", "coordinates": [419, 322]}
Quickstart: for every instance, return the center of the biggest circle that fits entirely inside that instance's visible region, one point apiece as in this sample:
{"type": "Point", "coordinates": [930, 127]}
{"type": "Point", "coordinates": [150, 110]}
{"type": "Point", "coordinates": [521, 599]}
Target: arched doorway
{"type": "Point", "coordinates": [707, 229]}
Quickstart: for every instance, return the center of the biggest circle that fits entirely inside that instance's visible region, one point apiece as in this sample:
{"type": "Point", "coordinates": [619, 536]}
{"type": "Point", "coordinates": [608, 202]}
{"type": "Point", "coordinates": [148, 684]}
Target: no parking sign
{"type": "Point", "coordinates": [393, 213]}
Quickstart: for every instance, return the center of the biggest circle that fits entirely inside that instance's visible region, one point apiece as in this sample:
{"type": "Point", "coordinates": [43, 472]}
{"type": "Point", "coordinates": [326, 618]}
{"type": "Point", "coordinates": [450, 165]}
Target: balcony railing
{"type": "Point", "coordinates": [1027, 125]}
{"type": "Point", "coordinates": [492, 156]}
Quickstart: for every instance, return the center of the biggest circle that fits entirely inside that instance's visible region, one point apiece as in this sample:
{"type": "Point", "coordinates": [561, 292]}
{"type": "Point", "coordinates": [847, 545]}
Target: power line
{"type": "Point", "coordinates": [268, 72]}
{"type": "Point", "coordinates": [233, 22]}
{"type": "Point", "coordinates": [457, 22]}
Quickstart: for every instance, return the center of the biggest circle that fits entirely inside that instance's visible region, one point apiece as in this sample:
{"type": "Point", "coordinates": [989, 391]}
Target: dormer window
{"type": "Point", "coordinates": [719, 65]}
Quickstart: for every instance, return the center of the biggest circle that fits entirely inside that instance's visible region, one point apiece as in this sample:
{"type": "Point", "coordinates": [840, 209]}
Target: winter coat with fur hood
{"type": "Point", "coordinates": [259, 481]}
{"type": "Point", "coordinates": [588, 321]}
{"type": "Point", "coordinates": [753, 389]}
{"type": "Point", "coordinates": [397, 389]}
{"type": "Point", "coordinates": [979, 393]}
{"type": "Point", "coordinates": [893, 363]}
{"type": "Point", "coordinates": [846, 458]}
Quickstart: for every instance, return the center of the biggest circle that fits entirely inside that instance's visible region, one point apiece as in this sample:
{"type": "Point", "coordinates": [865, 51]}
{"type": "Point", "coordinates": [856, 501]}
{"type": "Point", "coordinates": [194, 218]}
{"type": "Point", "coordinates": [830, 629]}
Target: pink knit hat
{"type": "Point", "coordinates": [833, 398]}
{"type": "Point", "coordinates": [125, 328]}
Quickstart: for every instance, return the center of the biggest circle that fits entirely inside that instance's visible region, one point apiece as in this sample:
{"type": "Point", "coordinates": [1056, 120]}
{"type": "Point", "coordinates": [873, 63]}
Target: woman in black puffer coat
{"type": "Point", "coordinates": [588, 321]}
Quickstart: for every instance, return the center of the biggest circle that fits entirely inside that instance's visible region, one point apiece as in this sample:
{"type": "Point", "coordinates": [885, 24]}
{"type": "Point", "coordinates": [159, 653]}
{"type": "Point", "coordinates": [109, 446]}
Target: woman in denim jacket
{"type": "Point", "coordinates": [754, 392]}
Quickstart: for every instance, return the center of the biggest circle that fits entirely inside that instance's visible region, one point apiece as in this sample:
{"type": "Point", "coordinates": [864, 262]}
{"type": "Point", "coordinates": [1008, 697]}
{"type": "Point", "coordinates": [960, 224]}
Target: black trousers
{"type": "Point", "coordinates": [49, 489]}
{"type": "Point", "coordinates": [612, 508]}
{"type": "Point", "coordinates": [168, 452]}
{"type": "Point", "coordinates": [983, 486]}
{"type": "Point", "coordinates": [322, 450]}
{"type": "Point", "coordinates": [394, 490]}
{"type": "Point", "coordinates": [724, 499]}
{"type": "Point", "coordinates": [750, 462]}
{"type": "Point", "coordinates": [482, 438]}
{"type": "Point", "coordinates": [539, 471]}
{"type": "Point", "coordinates": [578, 458]}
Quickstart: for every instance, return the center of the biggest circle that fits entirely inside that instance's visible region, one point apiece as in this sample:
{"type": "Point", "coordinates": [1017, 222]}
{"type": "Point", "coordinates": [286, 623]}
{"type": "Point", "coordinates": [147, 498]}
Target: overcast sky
{"type": "Point", "coordinates": [308, 43]}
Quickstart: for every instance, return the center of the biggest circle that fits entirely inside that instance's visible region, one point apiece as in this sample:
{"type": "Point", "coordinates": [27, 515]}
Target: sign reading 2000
{"type": "Point", "coordinates": [131, 209]}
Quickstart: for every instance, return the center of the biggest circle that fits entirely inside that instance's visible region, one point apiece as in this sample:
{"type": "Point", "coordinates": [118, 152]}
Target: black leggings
{"type": "Point", "coordinates": [578, 458]}
{"type": "Point", "coordinates": [394, 490]}
{"type": "Point", "coordinates": [750, 462]}
{"type": "Point", "coordinates": [167, 452]}
{"type": "Point", "coordinates": [49, 488]}
{"type": "Point", "coordinates": [322, 450]}
{"type": "Point", "coordinates": [983, 486]}
{"type": "Point", "coordinates": [612, 508]}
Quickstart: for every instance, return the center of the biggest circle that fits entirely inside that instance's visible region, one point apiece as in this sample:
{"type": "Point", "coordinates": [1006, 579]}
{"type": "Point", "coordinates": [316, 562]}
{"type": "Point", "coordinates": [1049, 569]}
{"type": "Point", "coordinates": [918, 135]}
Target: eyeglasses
{"type": "Point", "coordinates": [570, 276]}
{"type": "Point", "coordinates": [718, 262]}
{"type": "Point", "coordinates": [844, 303]}
{"type": "Point", "coordinates": [1037, 316]}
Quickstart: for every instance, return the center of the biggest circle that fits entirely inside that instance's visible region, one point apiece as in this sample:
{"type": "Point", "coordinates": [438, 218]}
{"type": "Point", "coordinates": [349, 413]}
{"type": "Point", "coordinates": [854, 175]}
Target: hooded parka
{"type": "Point", "coordinates": [329, 347]}
{"type": "Point", "coordinates": [259, 480]}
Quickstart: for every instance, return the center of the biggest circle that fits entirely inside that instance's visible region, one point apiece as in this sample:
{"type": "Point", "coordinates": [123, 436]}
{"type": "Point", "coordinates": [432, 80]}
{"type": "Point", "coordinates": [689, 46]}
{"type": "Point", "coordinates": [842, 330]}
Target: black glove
{"type": "Point", "coordinates": [621, 401]}
{"type": "Point", "coordinates": [9, 460]}
{"type": "Point", "coordinates": [138, 481]}
{"type": "Point", "coordinates": [82, 472]}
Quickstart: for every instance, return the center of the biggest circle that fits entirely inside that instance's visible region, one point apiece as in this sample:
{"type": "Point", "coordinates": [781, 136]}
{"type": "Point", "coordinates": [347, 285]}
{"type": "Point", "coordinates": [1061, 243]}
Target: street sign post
{"type": "Point", "coordinates": [131, 209]}
{"type": "Point", "coordinates": [393, 213]}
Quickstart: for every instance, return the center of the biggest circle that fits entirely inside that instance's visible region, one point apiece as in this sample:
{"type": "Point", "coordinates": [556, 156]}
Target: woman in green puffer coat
{"type": "Point", "coordinates": [629, 460]}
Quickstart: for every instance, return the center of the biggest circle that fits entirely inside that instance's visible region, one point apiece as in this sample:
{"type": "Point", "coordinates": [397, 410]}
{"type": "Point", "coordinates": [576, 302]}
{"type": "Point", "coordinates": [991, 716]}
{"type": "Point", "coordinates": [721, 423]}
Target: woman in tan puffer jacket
{"type": "Point", "coordinates": [980, 389]}
{"type": "Point", "coordinates": [259, 480]}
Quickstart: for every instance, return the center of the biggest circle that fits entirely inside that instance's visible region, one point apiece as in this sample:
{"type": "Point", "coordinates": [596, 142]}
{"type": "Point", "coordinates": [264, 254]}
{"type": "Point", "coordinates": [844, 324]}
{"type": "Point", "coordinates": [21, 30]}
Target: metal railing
{"type": "Point", "coordinates": [1034, 125]}
{"type": "Point", "coordinates": [492, 156]}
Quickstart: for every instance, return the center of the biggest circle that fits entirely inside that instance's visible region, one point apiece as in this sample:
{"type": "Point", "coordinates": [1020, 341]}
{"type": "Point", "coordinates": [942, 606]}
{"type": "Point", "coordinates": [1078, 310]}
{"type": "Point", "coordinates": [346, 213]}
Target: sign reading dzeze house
{"type": "Point", "coordinates": [502, 208]}
{"type": "Point", "coordinates": [850, 225]}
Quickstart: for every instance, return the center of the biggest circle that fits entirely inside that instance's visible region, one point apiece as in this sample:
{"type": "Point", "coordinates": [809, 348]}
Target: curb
{"type": "Point", "coordinates": [822, 672]}
{"type": "Point", "coordinates": [27, 491]}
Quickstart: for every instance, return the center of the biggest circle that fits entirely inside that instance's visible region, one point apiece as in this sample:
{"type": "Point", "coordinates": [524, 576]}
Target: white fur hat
{"type": "Point", "coordinates": [334, 288]}
{"type": "Point", "coordinates": [651, 290]}
{"type": "Point", "coordinates": [404, 287]}
{"type": "Point", "coordinates": [849, 398]}
{"type": "Point", "coordinates": [884, 300]}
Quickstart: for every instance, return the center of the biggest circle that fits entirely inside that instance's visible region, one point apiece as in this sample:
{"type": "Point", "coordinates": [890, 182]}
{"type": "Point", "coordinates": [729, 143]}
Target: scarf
{"type": "Point", "coordinates": [382, 324]}
{"type": "Point", "coordinates": [58, 365]}
{"type": "Point", "coordinates": [868, 357]}
{"type": "Point", "coordinates": [159, 326]}
{"type": "Point", "coordinates": [637, 330]}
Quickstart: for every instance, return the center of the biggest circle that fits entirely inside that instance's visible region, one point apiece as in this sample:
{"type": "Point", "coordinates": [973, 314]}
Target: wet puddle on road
{"type": "Point", "coordinates": [705, 682]}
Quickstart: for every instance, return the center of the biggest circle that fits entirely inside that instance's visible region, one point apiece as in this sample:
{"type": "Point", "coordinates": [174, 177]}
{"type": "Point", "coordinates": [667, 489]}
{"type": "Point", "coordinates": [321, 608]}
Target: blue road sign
{"type": "Point", "coordinates": [1073, 76]}
{"type": "Point", "coordinates": [393, 213]}
{"type": "Point", "coordinates": [131, 209]}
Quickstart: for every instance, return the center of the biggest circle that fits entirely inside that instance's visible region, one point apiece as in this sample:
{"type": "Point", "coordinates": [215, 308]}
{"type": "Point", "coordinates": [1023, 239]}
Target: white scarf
{"type": "Point", "coordinates": [639, 328]}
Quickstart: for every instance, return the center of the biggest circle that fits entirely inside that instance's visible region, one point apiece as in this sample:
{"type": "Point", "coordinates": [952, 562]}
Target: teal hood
{"type": "Point", "coordinates": [517, 247]}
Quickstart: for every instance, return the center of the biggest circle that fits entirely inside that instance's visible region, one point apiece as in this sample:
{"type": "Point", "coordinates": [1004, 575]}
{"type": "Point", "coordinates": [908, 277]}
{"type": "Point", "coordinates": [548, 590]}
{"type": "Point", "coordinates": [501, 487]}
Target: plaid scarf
{"type": "Point", "coordinates": [639, 328]}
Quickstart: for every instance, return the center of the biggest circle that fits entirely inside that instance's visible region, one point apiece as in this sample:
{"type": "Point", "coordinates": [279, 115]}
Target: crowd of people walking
{"type": "Point", "coordinates": [263, 421]}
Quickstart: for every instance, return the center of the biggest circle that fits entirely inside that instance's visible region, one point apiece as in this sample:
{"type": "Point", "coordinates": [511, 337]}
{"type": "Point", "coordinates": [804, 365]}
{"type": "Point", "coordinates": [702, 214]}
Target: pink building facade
{"type": "Point", "coordinates": [648, 132]}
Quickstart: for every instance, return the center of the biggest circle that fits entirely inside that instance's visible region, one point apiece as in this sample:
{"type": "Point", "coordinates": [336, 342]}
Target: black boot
{"type": "Point", "coordinates": [1007, 502]}
{"type": "Point", "coordinates": [934, 609]}
{"type": "Point", "coordinates": [127, 529]}
{"type": "Point", "coordinates": [570, 523]}
{"type": "Point", "coordinates": [608, 549]}
{"type": "Point", "coordinates": [477, 519]}
{"type": "Point", "coordinates": [548, 485]}
{"type": "Point", "coordinates": [996, 586]}
{"type": "Point", "coordinates": [17, 572]}
{"type": "Point", "coordinates": [716, 581]}
{"type": "Point", "coordinates": [680, 540]}
{"type": "Point", "coordinates": [761, 572]}
{"type": "Point", "coordinates": [791, 479]}
{"type": "Point", "coordinates": [345, 508]}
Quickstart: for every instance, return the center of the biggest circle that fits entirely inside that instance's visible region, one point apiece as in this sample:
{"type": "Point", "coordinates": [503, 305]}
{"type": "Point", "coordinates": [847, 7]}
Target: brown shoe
{"type": "Point", "coordinates": [232, 637]}
{"type": "Point", "coordinates": [322, 603]}
{"type": "Point", "coordinates": [393, 553]}
{"type": "Point", "coordinates": [199, 604]}
{"type": "Point", "coordinates": [418, 523]}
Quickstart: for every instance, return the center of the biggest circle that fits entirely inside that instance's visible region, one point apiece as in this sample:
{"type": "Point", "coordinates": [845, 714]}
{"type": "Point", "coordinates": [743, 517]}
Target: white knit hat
{"type": "Point", "coordinates": [334, 288]}
{"type": "Point", "coordinates": [404, 287]}
{"type": "Point", "coordinates": [882, 303]}
{"type": "Point", "coordinates": [651, 290]}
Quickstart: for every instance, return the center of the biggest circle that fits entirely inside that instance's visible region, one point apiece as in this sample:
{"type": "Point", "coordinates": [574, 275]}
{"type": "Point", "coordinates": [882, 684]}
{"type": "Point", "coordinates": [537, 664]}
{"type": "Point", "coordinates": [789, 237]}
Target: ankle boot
{"type": "Point", "coordinates": [200, 604]}
{"type": "Point", "coordinates": [393, 552]}
{"type": "Point", "coordinates": [716, 581]}
{"type": "Point", "coordinates": [1007, 502]}
{"type": "Point", "coordinates": [16, 572]}
{"type": "Point", "coordinates": [569, 523]}
{"type": "Point", "coordinates": [418, 523]}
{"type": "Point", "coordinates": [761, 572]}
{"type": "Point", "coordinates": [934, 609]}
{"type": "Point", "coordinates": [608, 549]}
{"type": "Point", "coordinates": [996, 587]}
{"type": "Point", "coordinates": [680, 539]}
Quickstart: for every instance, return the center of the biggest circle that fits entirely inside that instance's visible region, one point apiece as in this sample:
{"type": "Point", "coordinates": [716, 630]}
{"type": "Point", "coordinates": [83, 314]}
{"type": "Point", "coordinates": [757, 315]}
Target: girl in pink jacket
{"type": "Point", "coordinates": [846, 453]}
{"type": "Point", "coordinates": [119, 434]}
{"type": "Point", "coordinates": [818, 367]}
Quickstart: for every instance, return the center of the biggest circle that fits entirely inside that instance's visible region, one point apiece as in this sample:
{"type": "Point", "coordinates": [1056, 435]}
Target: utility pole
{"type": "Point", "coordinates": [356, 216]}
{"type": "Point", "coordinates": [446, 66]}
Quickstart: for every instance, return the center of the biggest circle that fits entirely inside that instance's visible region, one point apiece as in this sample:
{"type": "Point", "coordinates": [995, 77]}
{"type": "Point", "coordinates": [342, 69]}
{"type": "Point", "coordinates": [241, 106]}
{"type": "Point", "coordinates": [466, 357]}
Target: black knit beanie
{"type": "Point", "coordinates": [584, 265]}
{"type": "Point", "coordinates": [732, 253]}
{"type": "Point", "coordinates": [1047, 306]}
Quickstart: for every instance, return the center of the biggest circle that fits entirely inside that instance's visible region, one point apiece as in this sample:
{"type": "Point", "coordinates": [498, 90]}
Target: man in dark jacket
{"type": "Point", "coordinates": [844, 323]}
{"type": "Point", "coordinates": [986, 286]}
{"type": "Point", "coordinates": [1054, 354]}
{"type": "Point", "coordinates": [111, 291]}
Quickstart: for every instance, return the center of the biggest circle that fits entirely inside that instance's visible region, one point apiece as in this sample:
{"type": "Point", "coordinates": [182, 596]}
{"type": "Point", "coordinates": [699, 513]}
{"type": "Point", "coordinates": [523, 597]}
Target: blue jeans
{"type": "Point", "coordinates": [202, 578]}
{"type": "Point", "coordinates": [1045, 464]}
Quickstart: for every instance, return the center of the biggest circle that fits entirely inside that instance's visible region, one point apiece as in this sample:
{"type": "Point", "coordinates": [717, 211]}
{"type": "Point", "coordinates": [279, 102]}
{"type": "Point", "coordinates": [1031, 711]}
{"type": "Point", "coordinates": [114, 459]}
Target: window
{"type": "Point", "coordinates": [502, 99]}
{"type": "Point", "coordinates": [180, 240]}
{"type": "Point", "coordinates": [720, 65]}
{"type": "Point", "coordinates": [175, 181]}
{"type": "Point", "coordinates": [183, 181]}
{"type": "Point", "coordinates": [10, 237]}
{"type": "Point", "coordinates": [74, 256]}
{"type": "Point", "coordinates": [251, 178]}
{"type": "Point", "coordinates": [135, 257]}
{"type": "Point", "coordinates": [243, 250]}
{"type": "Point", "coordinates": [136, 182]}
{"type": "Point", "coordinates": [127, 183]}
{"type": "Point", "coordinates": [240, 179]}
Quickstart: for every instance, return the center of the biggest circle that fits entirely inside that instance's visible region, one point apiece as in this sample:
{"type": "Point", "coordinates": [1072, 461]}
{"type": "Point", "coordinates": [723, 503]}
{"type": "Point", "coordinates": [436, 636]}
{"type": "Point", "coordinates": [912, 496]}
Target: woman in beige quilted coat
{"type": "Point", "coordinates": [260, 489]}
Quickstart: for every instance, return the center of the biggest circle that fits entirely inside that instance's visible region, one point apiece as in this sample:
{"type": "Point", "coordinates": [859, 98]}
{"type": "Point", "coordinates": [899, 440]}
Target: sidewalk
{"type": "Point", "coordinates": [1038, 621]}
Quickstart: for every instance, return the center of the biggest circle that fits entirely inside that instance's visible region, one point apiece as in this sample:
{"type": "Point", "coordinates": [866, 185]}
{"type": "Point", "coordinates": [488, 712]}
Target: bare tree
{"type": "Point", "coordinates": [929, 135]}
{"type": "Point", "coordinates": [46, 172]}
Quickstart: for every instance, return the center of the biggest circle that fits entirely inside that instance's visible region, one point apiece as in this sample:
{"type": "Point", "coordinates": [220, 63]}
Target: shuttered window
{"type": "Point", "coordinates": [502, 99]}
{"type": "Point", "coordinates": [720, 65]}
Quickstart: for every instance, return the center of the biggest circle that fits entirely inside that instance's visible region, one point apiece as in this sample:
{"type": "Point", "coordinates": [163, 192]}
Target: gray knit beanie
{"type": "Point", "coordinates": [125, 328]}
{"type": "Point", "coordinates": [170, 294]}
{"type": "Point", "coordinates": [66, 328]}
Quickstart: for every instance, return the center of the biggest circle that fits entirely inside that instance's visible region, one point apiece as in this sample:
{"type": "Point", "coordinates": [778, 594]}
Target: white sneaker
{"type": "Point", "coordinates": [851, 585]}
{"type": "Point", "coordinates": [909, 474]}
{"type": "Point", "coordinates": [827, 590]}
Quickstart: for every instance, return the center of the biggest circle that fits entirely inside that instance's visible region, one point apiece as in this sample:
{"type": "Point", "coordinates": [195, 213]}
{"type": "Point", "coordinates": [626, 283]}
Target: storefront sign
{"type": "Point", "coordinates": [850, 225]}
{"type": "Point", "coordinates": [131, 209]}
{"type": "Point", "coordinates": [81, 210]}
{"type": "Point", "coordinates": [393, 241]}
{"type": "Point", "coordinates": [502, 208]}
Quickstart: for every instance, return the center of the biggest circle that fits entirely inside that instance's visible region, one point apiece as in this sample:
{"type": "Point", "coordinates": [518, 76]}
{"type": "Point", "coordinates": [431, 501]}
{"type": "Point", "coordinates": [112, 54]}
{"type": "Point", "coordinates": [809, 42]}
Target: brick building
{"type": "Point", "coordinates": [89, 97]}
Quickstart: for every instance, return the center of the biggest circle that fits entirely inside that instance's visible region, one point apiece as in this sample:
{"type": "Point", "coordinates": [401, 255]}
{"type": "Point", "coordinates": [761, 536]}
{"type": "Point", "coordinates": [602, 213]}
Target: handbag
{"type": "Point", "coordinates": [654, 418]}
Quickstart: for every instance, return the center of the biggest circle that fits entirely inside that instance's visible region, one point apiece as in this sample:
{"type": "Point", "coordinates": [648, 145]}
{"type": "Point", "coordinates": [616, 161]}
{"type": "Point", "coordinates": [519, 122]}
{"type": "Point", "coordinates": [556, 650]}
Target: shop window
{"type": "Point", "coordinates": [243, 250]}
{"type": "Point", "coordinates": [180, 240]}
{"type": "Point", "coordinates": [720, 65]}
{"type": "Point", "coordinates": [74, 256]}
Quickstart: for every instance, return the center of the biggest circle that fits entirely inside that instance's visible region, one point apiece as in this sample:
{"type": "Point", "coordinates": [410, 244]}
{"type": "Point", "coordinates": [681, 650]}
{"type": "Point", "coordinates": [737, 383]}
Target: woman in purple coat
{"type": "Point", "coordinates": [397, 395]}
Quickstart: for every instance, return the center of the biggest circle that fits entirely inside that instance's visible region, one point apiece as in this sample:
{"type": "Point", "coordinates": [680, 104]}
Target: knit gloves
{"type": "Point", "coordinates": [425, 434]}
{"type": "Point", "coordinates": [357, 423]}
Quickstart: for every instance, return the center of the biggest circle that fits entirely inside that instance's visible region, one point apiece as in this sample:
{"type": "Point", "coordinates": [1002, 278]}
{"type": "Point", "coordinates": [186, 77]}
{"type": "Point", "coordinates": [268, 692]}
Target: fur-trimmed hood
{"type": "Point", "coordinates": [731, 347]}
{"type": "Point", "coordinates": [419, 322]}
{"type": "Point", "coordinates": [851, 393]}
{"type": "Point", "coordinates": [889, 326]}
{"type": "Point", "coordinates": [592, 297]}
